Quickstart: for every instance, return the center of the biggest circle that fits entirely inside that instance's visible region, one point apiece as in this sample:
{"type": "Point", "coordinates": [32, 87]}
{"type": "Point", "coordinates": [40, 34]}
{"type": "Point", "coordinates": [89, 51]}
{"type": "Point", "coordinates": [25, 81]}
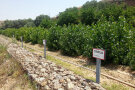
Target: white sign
{"type": "Point", "coordinates": [44, 42]}
{"type": "Point", "coordinates": [99, 53]}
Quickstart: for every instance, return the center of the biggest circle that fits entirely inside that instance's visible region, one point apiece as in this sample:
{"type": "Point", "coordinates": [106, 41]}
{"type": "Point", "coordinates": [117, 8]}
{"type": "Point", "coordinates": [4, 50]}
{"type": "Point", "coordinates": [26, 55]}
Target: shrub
{"type": "Point", "coordinates": [72, 40]}
{"type": "Point", "coordinates": [53, 38]}
{"type": "Point", "coordinates": [70, 16]}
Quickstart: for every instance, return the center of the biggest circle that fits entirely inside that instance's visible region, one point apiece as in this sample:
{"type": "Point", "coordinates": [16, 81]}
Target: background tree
{"type": "Point", "coordinates": [46, 23]}
{"type": "Point", "coordinates": [69, 16]}
{"type": "Point", "coordinates": [17, 23]}
{"type": "Point", "coordinates": [39, 19]}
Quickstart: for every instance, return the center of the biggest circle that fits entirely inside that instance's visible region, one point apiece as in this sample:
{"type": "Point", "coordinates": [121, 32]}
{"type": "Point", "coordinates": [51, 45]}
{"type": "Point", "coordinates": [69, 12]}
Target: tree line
{"type": "Point", "coordinates": [88, 14]}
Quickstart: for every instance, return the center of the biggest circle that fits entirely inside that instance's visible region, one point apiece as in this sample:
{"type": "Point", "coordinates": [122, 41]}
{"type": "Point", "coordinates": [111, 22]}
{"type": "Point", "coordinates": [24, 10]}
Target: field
{"type": "Point", "coordinates": [76, 31]}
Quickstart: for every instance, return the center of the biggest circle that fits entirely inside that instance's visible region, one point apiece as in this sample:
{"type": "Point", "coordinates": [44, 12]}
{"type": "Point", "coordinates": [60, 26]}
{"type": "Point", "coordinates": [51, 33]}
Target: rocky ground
{"type": "Point", "coordinates": [48, 75]}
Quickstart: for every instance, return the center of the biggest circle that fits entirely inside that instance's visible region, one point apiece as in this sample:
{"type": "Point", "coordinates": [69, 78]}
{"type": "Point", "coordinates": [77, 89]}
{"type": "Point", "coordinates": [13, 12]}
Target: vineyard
{"type": "Point", "coordinates": [77, 31]}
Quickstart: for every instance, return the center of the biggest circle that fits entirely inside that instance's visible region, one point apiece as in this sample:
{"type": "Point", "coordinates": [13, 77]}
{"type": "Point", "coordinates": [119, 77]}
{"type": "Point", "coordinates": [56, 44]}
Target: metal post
{"type": "Point", "coordinates": [98, 65]}
{"type": "Point", "coordinates": [22, 41]}
{"type": "Point", "coordinates": [13, 36]}
{"type": "Point", "coordinates": [44, 42]}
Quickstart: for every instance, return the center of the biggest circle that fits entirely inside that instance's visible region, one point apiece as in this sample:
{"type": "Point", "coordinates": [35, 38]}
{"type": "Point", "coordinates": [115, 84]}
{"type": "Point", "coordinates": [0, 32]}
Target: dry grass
{"type": "Point", "coordinates": [12, 75]}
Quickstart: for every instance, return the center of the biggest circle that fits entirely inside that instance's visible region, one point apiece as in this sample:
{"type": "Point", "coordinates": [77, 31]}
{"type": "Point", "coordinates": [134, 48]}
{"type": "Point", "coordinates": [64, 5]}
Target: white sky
{"type": "Point", "coordinates": [23, 9]}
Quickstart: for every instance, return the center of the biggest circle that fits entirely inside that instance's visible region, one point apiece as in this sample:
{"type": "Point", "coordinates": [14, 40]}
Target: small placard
{"type": "Point", "coordinates": [99, 53]}
{"type": "Point", "coordinates": [44, 42]}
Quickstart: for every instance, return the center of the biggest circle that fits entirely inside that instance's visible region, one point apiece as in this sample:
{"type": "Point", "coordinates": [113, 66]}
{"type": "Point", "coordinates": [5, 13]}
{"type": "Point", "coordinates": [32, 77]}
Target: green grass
{"type": "Point", "coordinates": [115, 87]}
{"type": "Point", "coordinates": [14, 40]}
{"type": "Point", "coordinates": [2, 49]}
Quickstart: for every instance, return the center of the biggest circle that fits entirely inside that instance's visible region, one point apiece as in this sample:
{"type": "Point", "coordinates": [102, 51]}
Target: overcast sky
{"type": "Point", "coordinates": [23, 9]}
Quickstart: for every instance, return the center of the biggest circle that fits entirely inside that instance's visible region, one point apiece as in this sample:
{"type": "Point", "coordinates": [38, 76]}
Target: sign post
{"type": "Point", "coordinates": [44, 43]}
{"type": "Point", "coordinates": [13, 36]}
{"type": "Point", "coordinates": [22, 41]}
{"type": "Point", "coordinates": [98, 65]}
{"type": "Point", "coordinates": [99, 54]}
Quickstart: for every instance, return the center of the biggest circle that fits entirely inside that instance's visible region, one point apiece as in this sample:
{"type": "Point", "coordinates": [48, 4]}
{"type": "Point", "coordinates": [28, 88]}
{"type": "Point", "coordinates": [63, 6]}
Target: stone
{"type": "Point", "coordinates": [43, 83]}
{"type": "Point", "coordinates": [57, 85]}
{"type": "Point", "coordinates": [87, 88]}
{"type": "Point", "coordinates": [76, 88]}
{"type": "Point", "coordinates": [70, 86]}
{"type": "Point", "coordinates": [84, 83]}
{"type": "Point", "coordinates": [41, 79]}
{"type": "Point", "coordinates": [51, 78]}
{"type": "Point", "coordinates": [43, 70]}
{"type": "Point", "coordinates": [48, 81]}
{"type": "Point", "coordinates": [63, 74]}
{"type": "Point", "coordinates": [39, 67]}
{"type": "Point", "coordinates": [93, 86]}
{"type": "Point", "coordinates": [70, 73]}
{"type": "Point", "coordinates": [60, 89]}
{"type": "Point", "coordinates": [97, 85]}
{"type": "Point", "coordinates": [44, 64]}
{"type": "Point", "coordinates": [61, 70]}
{"type": "Point", "coordinates": [68, 80]}
{"type": "Point", "coordinates": [58, 77]}
{"type": "Point", "coordinates": [54, 74]}
{"type": "Point", "coordinates": [62, 81]}
{"type": "Point", "coordinates": [72, 78]}
{"type": "Point", "coordinates": [55, 81]}
{"type": "Point", "coordinates": [53, 64]}
{"type": "Point", "coordinates": [47, 87]}
{"type": "Point", "coordinates": [33, 75]}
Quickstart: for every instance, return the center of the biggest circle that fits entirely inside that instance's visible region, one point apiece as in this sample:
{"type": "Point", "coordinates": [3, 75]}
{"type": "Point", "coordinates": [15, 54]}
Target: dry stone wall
{"type": "Point", "coordinates": [47, 74]}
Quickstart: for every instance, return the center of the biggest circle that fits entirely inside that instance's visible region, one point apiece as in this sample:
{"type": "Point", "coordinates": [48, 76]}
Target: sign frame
{"type": "Point", "coordinates": [44, 42]}
{"type": "Point", "coordinates": [101, 50]}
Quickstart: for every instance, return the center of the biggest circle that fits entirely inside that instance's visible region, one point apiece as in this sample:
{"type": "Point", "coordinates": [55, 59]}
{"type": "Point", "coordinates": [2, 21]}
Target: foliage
{"type": "Point", "coordinates": [73, 39]}
{"type": "Point", "coordinates": [69, 16]}
{"type": "Point", "coordinates": [103, 25]}
{"type": "Point", "coordinates": [89, 16]}
{"type": "Point", "coordinates": [46, 23]}
{"type": "Point", "coordinates": [54, 38]}
{"type": "Point", "coordinates": [39, 19]}
{"type": "Point", "coordinates": [92, 11]}
{"type": "Point", "coordinates": [117, 38]}
{"type": "Point", "coordinates": [17, 23]}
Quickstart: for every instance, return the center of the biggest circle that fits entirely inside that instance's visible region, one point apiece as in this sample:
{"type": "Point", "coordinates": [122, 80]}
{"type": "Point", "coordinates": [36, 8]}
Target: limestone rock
{"type": "Point", "coordinates": [70, 86]}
